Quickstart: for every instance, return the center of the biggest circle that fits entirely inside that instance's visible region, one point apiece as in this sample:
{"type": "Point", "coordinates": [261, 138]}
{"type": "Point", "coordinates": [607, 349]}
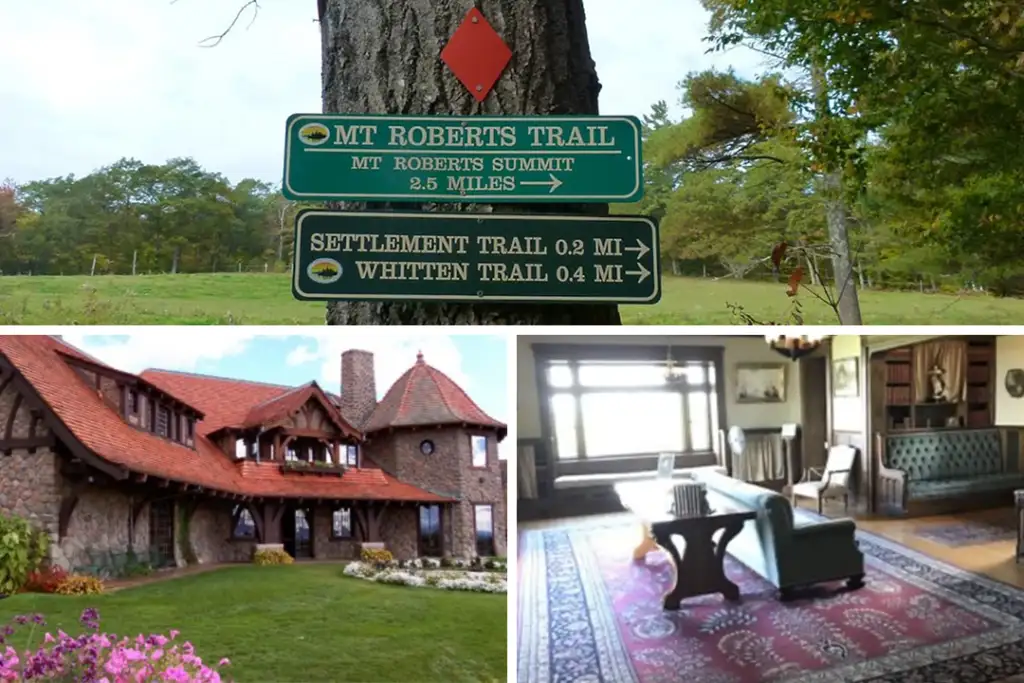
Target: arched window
{"type": "Point", "coordinates": [243, 526]}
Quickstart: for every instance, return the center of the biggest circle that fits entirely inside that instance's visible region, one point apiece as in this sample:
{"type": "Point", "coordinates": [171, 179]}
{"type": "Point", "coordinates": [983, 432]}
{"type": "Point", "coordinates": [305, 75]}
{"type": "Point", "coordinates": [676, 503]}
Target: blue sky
{"type": "Point", "coordinates": [477, 362]}
{"type": "Point", "coordinates": [127, 78]}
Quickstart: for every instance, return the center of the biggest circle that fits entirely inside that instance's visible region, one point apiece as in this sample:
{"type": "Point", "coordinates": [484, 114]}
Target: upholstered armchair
{"type": "Point", "coordinates": [831, 481]}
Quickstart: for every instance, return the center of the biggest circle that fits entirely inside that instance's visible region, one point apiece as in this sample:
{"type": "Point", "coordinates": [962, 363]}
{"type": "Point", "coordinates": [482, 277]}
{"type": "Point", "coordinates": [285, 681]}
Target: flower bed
{"type": "Point", "coordinates": [96, 656]}
{"type": "Point", "coordinates": [381, 559]}
{"type": "Point", "coordinates": [427, 575]}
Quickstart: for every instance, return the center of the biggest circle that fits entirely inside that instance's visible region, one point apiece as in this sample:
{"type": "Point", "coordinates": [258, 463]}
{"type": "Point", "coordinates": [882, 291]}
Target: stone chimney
{"type": "Point", "coordinates": [358, 387]}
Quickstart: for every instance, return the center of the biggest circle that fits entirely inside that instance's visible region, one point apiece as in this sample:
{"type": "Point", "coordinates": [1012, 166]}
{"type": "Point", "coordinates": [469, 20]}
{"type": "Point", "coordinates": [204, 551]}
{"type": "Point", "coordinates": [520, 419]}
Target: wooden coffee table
{"type": "Point", "coordinates": [700, 570]}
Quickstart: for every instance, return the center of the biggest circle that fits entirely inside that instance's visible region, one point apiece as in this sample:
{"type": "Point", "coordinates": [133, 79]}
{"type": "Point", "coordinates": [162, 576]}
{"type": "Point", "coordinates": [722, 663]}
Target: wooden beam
{"type": "Point", "coordinates": [9, 430]}
{"type": "Point", "coordinates": [31, 443]}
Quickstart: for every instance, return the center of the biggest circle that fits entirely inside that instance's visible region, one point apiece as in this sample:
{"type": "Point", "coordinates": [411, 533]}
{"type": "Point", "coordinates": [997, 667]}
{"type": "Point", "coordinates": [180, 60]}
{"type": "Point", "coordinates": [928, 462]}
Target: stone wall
{"type": "Point", "coordinates": [101, 523]}
{"type": "Point", "coordinates": [29, 482]}
{"type": "Point", "coordinates": [358, 386]}
{"type": "Point", "coordinates": [449, 471]}
{"type": "Point", "coordinates": [210, 534]}
{"type": "Point", "coordinates": [398, 529]}
{"type": "Point", "coordinates": [326, 548]}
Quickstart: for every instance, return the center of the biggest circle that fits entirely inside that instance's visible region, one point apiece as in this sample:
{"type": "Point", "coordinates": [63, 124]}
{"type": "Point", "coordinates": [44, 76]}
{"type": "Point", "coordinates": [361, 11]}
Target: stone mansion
{"type": "Point", "coordinates": [184, 468]}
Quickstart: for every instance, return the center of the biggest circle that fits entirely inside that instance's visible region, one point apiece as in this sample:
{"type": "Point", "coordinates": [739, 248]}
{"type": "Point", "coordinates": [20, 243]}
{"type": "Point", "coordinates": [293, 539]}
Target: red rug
{"type": "Point", "coordinates": [588, 613]}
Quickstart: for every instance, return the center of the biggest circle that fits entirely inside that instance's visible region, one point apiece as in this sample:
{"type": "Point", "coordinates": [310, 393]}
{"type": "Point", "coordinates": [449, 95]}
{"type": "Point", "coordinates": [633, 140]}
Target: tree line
{"type": "Point", "coordinates": [133, 218]}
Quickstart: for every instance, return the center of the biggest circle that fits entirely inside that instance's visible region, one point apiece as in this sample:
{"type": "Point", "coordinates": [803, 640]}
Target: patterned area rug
{"type": "Point", "coordinates": [588, 614]}
{"type": "Point", "coordinates": [968, 532]}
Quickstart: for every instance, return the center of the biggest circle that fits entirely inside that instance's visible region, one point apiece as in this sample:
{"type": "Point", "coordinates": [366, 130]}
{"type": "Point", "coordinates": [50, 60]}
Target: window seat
{"type": "Point", "coordinates": [571, 481]}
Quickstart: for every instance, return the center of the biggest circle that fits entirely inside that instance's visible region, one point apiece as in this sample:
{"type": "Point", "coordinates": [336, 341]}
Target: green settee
{"type": "Point", "coordinates": [943, 470]}
{"type": "Point", "coordinates": [788, 553]}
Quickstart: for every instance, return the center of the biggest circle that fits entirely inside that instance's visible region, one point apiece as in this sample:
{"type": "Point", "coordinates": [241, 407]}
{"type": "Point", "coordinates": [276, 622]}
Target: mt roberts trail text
{"type": "Point", "coordinates": [471, 158]}
{"type": "Point", "coordinates": [475, 257]}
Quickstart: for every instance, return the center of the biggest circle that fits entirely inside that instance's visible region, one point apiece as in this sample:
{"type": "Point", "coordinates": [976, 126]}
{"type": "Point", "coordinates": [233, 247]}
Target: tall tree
{"type": "Point", "coordinates": [383, 56]}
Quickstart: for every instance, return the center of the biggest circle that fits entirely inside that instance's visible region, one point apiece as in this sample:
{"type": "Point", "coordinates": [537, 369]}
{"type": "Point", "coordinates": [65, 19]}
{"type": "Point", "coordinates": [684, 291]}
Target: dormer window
{"type": "Point", "coordinates": [190, 428]}
{"type": "Point", "coordinates": [163, 421]}
{"type": "Point", "coordinates": [133, 402]}
{"type": "Point", "coordinates": [351, 455]}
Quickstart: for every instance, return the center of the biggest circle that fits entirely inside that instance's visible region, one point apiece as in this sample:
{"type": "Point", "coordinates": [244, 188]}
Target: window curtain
{"type": "Point", "coordinates": [949, 356]}
{"type": "Point", "coordinates": [526, 466]}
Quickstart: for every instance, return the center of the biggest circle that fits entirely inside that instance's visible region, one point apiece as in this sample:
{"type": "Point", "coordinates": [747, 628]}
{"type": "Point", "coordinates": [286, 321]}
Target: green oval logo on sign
{"type": "Point", "coordinates": [324, 270]}
{"type": "Point", "coordinates": [314, 134]}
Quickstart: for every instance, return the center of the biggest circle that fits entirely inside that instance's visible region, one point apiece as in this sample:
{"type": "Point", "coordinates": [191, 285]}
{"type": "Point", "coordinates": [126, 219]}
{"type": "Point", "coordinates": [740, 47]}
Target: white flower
{"type": "Point", "coordinates": [483, 582]}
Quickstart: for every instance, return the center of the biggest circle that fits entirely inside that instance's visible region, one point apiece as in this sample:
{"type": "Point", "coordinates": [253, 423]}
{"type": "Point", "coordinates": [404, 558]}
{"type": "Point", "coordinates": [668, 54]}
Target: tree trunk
{"type": "Point", "coordinates": [383, 56]}
{"type": "Point", "coordinates": [174, 261]}
{"type": "Point", "coordinates": [836, 218]}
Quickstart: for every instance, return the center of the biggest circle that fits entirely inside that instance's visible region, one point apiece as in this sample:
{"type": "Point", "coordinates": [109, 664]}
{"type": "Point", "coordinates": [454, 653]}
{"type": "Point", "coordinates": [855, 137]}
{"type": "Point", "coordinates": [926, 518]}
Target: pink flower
{"type": "Point", "coordinates": [224, 662]}
{"type": "Point", "coordinates": [174, 633]}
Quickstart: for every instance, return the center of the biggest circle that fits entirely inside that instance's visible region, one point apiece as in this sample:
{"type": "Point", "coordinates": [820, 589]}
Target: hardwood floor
{"type": "Point", "coordinates": [995, 559]}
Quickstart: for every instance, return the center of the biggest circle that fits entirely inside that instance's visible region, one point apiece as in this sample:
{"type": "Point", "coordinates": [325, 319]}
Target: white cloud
{"type": "Point", "coordinates": [90, 82]}
{"type": "Point", "coordinates": [168, 348]}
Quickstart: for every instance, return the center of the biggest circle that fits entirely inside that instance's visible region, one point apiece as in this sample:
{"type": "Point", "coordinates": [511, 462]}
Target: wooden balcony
{"type": "Point", "coordinates": [305, 467]}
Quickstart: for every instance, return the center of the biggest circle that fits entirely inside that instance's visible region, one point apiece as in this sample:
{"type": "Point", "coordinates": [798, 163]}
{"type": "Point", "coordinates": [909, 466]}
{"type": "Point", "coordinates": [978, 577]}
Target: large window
{"type": "Point", "coordinates": [484, 517]}
{"type": "Point", "coordinates": [341, 523]}
{"type": "Point", "coordinates": [630, 405]}
{"type": "Point", "coordinates": [478, 444]}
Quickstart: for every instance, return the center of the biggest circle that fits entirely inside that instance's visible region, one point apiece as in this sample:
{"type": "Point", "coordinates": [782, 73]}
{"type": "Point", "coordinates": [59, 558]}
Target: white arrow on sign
{"type": "Point", "coordinates": [640, 248]}
{"type": "Point", "coordinates": [643, 273]}
{"type": "Point", "coordinates": [555, 183]}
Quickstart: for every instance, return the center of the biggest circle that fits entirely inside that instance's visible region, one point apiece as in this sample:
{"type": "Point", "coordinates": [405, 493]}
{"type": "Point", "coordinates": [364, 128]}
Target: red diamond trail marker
{"type": "Point", "coordinates": [476, 54]}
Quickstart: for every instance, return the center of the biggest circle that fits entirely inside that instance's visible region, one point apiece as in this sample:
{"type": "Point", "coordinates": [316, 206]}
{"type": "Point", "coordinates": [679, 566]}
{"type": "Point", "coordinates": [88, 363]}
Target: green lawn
{"type": "Point", "coordinates": [265, 299]}
{"type": "Point", "coordinates": [302, 623]}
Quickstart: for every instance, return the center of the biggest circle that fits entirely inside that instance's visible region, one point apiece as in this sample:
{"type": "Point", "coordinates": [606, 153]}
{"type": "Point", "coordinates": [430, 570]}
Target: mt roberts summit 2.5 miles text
{"type": "Point", "coordinates": [463, 159]}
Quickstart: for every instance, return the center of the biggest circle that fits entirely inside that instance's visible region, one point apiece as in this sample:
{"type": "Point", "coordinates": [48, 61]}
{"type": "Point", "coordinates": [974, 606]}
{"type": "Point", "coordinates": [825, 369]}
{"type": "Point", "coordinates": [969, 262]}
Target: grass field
{"type": "Point", "coordinates": [266, 299]}
{"type": "Point", "coordinates": [301, 623]}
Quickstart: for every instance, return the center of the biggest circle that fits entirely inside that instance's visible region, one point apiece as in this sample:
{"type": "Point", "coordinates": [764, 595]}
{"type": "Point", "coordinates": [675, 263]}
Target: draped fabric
{"type": "Point", "coordinates": [526, 466]}
{"type": "Point", "coordinates": [950, 356]}
{"type": "Point", "coordinates": [763, 459]}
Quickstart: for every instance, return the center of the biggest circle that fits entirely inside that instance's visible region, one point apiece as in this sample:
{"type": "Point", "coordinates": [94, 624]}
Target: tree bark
{"type": "Point", "coordinates": [383, 56]}
{"type": "Point", "coordinates": [848, 306]}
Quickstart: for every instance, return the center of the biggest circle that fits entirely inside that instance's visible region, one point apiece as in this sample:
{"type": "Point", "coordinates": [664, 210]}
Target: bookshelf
{"type": "Point", "coordinates": [905, 411]}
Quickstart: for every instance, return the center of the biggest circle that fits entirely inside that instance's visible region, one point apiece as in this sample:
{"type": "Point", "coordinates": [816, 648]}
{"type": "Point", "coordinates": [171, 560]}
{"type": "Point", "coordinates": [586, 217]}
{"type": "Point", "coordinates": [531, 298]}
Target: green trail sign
{"type": "Point", "coordinates": [487, 159]}
{"type": "Point", "coordinates": [475, 257]}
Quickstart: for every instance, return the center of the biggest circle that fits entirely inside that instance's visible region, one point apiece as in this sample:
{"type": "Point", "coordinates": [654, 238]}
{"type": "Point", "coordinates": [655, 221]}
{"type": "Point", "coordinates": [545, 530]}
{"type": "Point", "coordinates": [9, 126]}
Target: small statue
{"type": "Point", "coordinates": [937, 377]}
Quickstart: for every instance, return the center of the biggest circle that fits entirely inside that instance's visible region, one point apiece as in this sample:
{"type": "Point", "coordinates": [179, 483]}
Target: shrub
{"type": "Point", "coordinates": [22, 550]}
{"type": "Point", "coordinates": [376, 556]}
{"type": "Point", "coordinates": [76, 584]}
{"type": "Point", "coordinates": [265, 556]}
{"type": "Point", "coordinates": [45, 580]}
{"type": "Point", "coordinates": [97, 656]}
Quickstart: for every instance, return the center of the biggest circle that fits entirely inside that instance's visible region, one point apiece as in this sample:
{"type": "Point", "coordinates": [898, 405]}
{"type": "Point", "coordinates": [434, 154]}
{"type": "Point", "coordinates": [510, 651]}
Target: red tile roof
{"type": "Point", "coordinates": [425, 396]}
{"type": "Point", "coordinates": [101, 430]}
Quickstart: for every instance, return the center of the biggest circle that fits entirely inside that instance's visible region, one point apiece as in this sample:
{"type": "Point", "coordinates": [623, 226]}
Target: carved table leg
{"type": "Point", "coordinates": [701, 569]}
{"type": "Point", "coordinates": [647, 544]}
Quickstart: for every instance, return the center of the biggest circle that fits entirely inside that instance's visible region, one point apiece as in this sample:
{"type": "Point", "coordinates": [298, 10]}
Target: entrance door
{"type": "Point", "coordinates": [161, 533]}
{"type": "Point", "coordinates": [297, 532]}
{"type": "Point", "coordinates": [814, 410]}
{"type": "Point", "coordinates": [431, 538]}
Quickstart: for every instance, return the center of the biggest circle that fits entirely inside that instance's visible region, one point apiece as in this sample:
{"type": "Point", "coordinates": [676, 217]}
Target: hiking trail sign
{"type": "Point", "coordinates": [486, 159]}
{"type": "Point", "coordinates": [475, 257]}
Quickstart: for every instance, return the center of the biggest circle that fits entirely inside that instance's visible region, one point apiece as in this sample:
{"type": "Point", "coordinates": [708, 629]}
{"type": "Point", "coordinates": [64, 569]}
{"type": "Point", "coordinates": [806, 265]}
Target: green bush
{"type": "Point", "coordinates": [22, 551]}
{"type": "Point", "coordinates": [267, 556]}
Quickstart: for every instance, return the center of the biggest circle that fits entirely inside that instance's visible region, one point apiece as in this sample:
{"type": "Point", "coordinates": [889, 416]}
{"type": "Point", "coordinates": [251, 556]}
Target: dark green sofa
{"type": "Point", "coordinates": [787, 554]}
{"type": "Point", "coordinates": [943, 470]}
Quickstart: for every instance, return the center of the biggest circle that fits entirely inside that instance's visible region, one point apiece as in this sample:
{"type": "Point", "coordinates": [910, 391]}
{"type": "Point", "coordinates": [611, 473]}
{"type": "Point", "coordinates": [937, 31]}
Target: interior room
{"type": "Point", "coordinates": [750, 507]}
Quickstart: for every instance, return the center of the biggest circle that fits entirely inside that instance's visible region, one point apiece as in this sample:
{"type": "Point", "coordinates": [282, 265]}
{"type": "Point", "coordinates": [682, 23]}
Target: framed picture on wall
{"type": "Point", "coordinates": [760, 383]}
{"type": "Point", "coordinates": [845, 378]}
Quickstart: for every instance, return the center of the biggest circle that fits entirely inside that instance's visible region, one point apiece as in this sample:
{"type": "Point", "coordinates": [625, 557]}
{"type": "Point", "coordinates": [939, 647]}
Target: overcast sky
{"type": "Point", "coordinates": [87, 82]}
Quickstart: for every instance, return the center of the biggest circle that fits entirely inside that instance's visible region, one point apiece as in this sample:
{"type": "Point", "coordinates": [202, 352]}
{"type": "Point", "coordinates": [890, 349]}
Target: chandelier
{"type": "Point", "coordinates": [794, 347]}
